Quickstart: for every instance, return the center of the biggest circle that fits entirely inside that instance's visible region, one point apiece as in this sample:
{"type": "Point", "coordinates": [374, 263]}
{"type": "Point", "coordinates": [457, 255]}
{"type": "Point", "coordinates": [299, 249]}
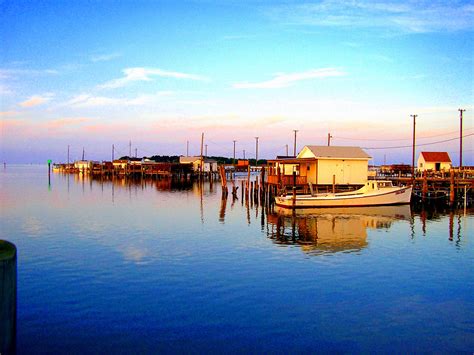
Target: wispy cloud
{"type": "Point", "coordinates": [410, 17]}
{"type": "Point", "coordinates": [11, 73]}
{"type": "Point", "coordinates": [67, 121]}
{"type": "Point", "coordinates": [36, 100]}
{"type": "Point", "coordinates": [8, 113]}
{"type": "Point", "coordinates": [285, 80]}
{"type": "Point", "coordinates": [104, 57]}
{"type": "Point", "coordinates": [87, 100]}
{"type": "Point", "coordinates": [4, 90]}
{"type": "Point", "coordinates": [146, 74]}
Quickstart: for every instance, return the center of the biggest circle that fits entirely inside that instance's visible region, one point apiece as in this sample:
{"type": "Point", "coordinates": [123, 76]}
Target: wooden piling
{"type": "Point", "coordinates": [294, 189]}
{"type": "Point", "coordinates": [8, 291]}
{"type": "Point", "coordinates": [425, 186]}
{"type": "Point", "coordinates": [451, 188]}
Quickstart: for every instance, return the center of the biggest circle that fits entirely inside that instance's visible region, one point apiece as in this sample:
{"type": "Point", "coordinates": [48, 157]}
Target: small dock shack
{"type": "Point", "coordinates": [321, 166]}
{"type": "Point", "coordinates": [434, 161]}
{"type": "Point", "coordinates": [208, 165]}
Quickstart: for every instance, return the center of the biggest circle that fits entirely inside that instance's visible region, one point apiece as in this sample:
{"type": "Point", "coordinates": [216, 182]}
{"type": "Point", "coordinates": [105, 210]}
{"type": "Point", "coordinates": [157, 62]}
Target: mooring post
{"type": "Point", "coordinates": [451, 188]}
{"type": "Point", "coordinates": [294, 189]}
{"type": "Point", "coordinates": [425, 186]}
{"type": "Point", "coordinates": [7, 297]}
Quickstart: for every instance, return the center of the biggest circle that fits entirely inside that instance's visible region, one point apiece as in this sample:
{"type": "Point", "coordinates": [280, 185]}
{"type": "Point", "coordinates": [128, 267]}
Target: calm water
{"type": "Point", "coordinates": [149, 267]}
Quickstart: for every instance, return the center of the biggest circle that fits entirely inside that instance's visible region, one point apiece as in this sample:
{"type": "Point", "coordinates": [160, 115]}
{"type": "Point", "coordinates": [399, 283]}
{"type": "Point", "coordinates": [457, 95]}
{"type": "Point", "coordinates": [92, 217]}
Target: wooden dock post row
{"type": "Point", "coordinates": [450, 187]}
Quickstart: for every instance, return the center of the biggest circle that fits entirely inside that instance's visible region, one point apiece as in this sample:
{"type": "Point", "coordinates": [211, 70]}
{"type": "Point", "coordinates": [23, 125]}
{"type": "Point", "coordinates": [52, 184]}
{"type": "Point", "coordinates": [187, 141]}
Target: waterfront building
{"type": "Point", "coordinates": [322, 165]}
{"type": "Point", "coordinates": [208, 165]}
{"type": "Point", "coordinates": [434, 161]}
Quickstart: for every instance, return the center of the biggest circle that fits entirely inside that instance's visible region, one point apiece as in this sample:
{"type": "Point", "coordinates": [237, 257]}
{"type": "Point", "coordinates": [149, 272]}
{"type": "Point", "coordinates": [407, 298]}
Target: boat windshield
{"type": "Point", "coordinates": [382, 184]}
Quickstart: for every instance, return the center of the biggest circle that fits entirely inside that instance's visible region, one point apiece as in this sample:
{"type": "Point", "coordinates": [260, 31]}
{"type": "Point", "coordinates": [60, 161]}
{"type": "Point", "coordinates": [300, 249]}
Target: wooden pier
{"type": "Point", "coordinates": [263, 183]}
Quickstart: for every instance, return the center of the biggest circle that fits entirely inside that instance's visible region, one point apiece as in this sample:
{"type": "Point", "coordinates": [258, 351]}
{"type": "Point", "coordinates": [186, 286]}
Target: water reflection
{"type": "Point", "coordinates": [331, 230]}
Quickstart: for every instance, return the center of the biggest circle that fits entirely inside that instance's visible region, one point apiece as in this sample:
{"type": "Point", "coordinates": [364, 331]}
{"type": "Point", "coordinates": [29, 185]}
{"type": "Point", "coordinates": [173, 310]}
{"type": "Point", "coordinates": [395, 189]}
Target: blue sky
{"type": "Point", "coordinates": [159, 73]}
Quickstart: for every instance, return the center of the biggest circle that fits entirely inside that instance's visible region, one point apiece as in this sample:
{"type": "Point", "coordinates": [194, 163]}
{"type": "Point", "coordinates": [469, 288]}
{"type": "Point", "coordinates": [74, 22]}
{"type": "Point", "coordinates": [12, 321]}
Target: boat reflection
{"type": "Point", "coordinates": [331, 230]}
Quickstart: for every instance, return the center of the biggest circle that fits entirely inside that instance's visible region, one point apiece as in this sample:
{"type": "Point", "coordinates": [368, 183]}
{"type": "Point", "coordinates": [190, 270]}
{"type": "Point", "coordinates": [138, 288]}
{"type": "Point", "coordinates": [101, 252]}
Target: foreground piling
{"type": "Point", "coordinates": [7, 297]}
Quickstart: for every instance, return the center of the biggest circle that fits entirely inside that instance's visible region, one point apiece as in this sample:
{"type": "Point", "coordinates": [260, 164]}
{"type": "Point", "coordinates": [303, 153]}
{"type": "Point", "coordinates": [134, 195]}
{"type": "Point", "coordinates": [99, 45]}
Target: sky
{"type": "Point", "coordinates": [92, 74]}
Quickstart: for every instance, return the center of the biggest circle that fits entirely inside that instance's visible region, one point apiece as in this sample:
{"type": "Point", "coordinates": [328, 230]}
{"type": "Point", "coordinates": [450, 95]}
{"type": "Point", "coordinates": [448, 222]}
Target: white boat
{"type": "Point", "coordinates": [373, 193]}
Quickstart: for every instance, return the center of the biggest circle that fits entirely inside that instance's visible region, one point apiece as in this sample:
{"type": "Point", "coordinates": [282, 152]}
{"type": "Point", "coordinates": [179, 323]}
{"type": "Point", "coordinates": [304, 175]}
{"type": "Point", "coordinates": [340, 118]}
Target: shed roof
{"type": "Point", "coordinates": [321, 151]}
{"type": "Point", "coordinates": [439, 157]}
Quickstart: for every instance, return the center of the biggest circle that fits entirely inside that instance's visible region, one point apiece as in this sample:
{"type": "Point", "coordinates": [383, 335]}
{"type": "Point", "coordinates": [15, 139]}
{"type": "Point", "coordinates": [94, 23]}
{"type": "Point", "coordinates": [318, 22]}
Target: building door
{"type": "Point", "coordinates": [437, 166]}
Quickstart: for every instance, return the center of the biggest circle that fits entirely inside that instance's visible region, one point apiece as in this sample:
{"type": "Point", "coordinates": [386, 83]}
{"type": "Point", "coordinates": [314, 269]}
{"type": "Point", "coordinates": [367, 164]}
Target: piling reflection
{"type": "Point", "coordinates": [333, 230]}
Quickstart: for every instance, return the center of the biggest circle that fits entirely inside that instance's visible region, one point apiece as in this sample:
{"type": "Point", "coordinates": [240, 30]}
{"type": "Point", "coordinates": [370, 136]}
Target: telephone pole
{"type": "Point", "coordinates": [329, 139]}
{"type": "Point", "coordinates": [460, 137]}
{"type": "Point", "coordinates": [294, 146]}
{"type": "Point", "coordinates": [202, 146]}
{"type": "Point", "coordinates": [256, 151]}
{"type": "Point", "coordinates": [413, 152]}
{"type": "Point", "coordinates": [233, 161]}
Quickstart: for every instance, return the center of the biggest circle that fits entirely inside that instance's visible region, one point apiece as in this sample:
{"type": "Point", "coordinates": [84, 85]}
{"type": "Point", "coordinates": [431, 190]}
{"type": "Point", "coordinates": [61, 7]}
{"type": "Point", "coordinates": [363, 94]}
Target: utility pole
{"type": "Point", "coordinates": [329, 139]}
{"type": "Point", "coordinates": [286, 149]}
{"type": "Point", "coordinates": [256, 151]}
{"type": "Point", "coordinates": [205, 154]}
{"type": "Point", "coordinates": [130, 149]}
{"type": "Point", "coordinates": [233, 161]}
{"type": "Point", "coordinates": [187, 148]}
{"type": "Point", "coordinates": [294, 147]}
{"type": "Point", "coordinates": [460, 137]}
{"type": "Point", "coordinates": [413, 153]}
{"type": "Point", "coordinates": [202, 145]}
{"type": "Point", "coordinates": [68, 155]}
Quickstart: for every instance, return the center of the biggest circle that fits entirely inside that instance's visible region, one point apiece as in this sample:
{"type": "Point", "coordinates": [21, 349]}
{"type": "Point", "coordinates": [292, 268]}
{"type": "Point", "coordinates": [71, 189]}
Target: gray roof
{"type": "Point", "coordinates": [190, 160]}
{"type": "Point", "coordinates": [322, 151]}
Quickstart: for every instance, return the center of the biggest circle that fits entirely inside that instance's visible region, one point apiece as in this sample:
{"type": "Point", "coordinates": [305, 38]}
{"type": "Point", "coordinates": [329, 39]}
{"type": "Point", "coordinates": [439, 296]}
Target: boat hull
{"type": "Point", "coordinates": [393, 196]}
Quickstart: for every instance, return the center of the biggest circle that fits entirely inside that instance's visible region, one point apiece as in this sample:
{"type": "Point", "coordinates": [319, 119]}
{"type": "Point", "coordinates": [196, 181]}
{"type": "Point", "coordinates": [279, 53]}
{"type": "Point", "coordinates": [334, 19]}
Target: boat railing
{"type": "Point", "coordinates": [287, 180]}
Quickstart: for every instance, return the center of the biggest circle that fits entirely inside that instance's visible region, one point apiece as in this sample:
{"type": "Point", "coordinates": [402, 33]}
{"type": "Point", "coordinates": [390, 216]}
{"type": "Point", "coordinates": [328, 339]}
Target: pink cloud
{"type": "Point", "coordinates": [67, 121]}
{"type": "Point", "coordinates": [35, 100]}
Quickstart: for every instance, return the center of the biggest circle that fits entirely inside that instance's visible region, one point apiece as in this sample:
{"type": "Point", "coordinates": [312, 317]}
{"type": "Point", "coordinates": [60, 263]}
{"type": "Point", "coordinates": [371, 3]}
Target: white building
{"type": "Point", "coordinates": [208, 165]}
{"type": "Point", "coordinates": [349, 165]}
{"type": "Point", "coordinates": [323, 165]}
{"type": "Point", "coordinates": [434, 161]}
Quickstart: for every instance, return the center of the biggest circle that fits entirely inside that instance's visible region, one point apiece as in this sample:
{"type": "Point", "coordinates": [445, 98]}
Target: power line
{"type": "Point", "coordinates": [419, 145]}
{"type": "Point", "coordinates": [400, 139]}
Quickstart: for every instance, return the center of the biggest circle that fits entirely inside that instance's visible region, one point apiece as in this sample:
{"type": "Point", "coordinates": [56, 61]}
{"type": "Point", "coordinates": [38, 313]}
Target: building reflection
{"type": "Point", "coordinates": [333, 230]}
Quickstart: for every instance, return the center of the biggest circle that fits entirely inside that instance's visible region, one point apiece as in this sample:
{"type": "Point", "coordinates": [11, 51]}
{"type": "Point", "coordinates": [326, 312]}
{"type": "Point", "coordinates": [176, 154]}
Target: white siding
{"type": "Point", "coordinates": [351, 172]}
{"type": "Point", "coordinates": [306, 153]}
